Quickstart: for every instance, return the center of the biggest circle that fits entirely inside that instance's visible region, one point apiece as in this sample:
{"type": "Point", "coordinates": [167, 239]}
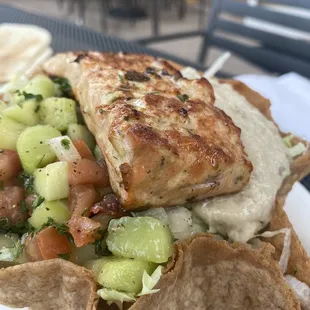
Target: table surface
{"type": "Point", "coordinates": [67, 36]}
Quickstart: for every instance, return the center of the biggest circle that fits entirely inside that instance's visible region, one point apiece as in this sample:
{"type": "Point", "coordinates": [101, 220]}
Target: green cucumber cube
{"type": "Point", "coordinates": [9, 132]}
{"type": "Point", "coordinates": [32, 148]}
{"type": "Point", "coordinates": [144, 238]}
{"type": "Point", "coordinates": [52, 182]}
{"type": "Point", "coordinates": [76, 131]}
{"type": "Point", "coordinates": [58, 112]}
{"type": "Point", "coordinates": [25, 113]}
{"type": "Point", "coordinates": [121, 274]}
{"type": "Point", "coordinates": [56, 210]}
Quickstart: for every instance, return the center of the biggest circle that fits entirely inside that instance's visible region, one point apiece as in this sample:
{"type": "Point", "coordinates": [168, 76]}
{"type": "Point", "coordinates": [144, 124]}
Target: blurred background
{"type": "Point", "coordinates": [137, 19]}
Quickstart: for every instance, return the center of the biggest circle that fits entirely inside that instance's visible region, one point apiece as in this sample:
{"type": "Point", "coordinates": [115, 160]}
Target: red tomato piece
{"type": "Point", "coordinates": [83, 230]}
{"type": "Point", "coordinates": [10, 165]}
{"type": "Point", "coordinates": [83, 149]}
{"type": "Point", "coordinates": [85, 171]}
{"type": "Point", "coordinates": [81, 198]}
{"type": "Point", "coordinates": [10, 200]}
{"type": "Point", "coordinates": [51, 244]}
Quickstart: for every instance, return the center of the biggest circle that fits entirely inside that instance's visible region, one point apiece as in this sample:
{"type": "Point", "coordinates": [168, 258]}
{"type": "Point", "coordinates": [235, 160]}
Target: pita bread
{"type": "Point", "coordinates": [24, 46]}
{"type": "Point", "coordinates": [234, 276]}
{"type": "Point", "coordinates": [50, 284]}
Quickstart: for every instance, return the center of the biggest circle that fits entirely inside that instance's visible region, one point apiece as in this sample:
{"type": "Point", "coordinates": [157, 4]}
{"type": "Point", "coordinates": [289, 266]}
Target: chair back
{"type": "Point", "coordinates": [273, 34]}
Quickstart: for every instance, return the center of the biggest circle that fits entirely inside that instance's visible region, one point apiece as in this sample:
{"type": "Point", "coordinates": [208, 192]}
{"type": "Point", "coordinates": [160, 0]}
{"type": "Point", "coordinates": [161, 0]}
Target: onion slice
{"type": "Point", "coordinates": [286, 251]}
{"type": "Point", "coordinates": [64, 148]}
{"type": "Point", "coordinates": [301, 290]}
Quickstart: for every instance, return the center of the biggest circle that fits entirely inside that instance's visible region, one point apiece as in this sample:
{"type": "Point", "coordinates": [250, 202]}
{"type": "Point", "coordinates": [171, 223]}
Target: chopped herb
{"type": "Point", "coordinates": [27, 96]}
{"type": "Point", "coordinates": [126, 118]}
{"type": "Point", "coordinates": [65, 143]}
{"type": "Point", "coordinates": [183, 97]}
{"type": "Point", "coordinates": [121, 78]}
{"type": "Point", "coordinates": [23, 206]}
{"type": "Point", "coordinates": [294, 271]}
{"type": "Point", "coordinates": [37, 108]}
{"type": "Point", "coordinates": [1, 185]}
{"type": "Point", "coordinates": [20, 228]}
{"type": "Point", "coordinates": [150, 70]}
{"type": "Point", "coordinates": [1, 151]}
{"type": "Point", "coordinates": [85, 210]}
{"type": "Point", "coordinates": [79, 58]}
{"type": "Point", "coordinates": [101, 248]}
{"type": "Point", "coordinates": [70, 238]}
{"type": "Point", "coordinates": [155, 92]}
{"type": "Point", "coordinates": [37, 202]}
{"type": "Point", "coordinates": [64, 86]}
{"type": "Point", "coordinates": [28, 181]}
{"type": "Point", "coordinates": [101, 111]}
{"type": "Point", "coordinates": [64, 256]}
{"type": "Point", "coordinates": [133, 75]}
{"type": "Point", "coordinates": [61, 228]}
{"type": "Point", "coordinates": [165, 72]}
{"type": "Point", "coordinates": [4, 224]}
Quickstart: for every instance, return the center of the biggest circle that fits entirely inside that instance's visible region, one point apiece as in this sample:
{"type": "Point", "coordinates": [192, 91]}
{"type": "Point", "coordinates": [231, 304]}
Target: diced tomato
{"type": "Point", "coordinates": [108, 205]}
{"type": "Point", "coordinates": [83, 149]}
{"type": "Point", "coordinates": [83, 230]}
{"type": "Point", "coordinates": [81, 198]}
{"type": "Point", "coordinates": [51, 244]}
{"type": "Point", "coordinates": [10, 201]}
{"type": "Point", "coordinates": [85, 171]}
{"type": "Point", "coordinates": [10, 165]}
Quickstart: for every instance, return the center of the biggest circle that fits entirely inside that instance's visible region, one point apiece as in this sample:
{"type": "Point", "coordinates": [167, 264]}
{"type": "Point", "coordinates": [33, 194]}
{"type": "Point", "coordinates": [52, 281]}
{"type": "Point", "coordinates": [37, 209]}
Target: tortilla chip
{"type": "Point", "coordinates": [50, 284]}
{"type": "Point", "coordinates": [211, 274]}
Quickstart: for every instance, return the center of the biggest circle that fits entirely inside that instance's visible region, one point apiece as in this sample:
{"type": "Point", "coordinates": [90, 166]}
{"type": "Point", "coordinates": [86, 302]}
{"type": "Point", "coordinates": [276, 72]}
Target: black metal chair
{"type": "Point", "coordinates": [273, 52]}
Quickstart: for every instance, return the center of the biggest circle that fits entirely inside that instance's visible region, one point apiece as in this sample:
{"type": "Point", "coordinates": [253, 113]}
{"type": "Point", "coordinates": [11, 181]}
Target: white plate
{"type": "Point", "coordinates": [297, 207]}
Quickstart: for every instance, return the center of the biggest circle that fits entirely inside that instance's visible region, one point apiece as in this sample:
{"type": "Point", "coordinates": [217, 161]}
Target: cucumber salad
{"type": "Point", "coordinates": [56, 202]}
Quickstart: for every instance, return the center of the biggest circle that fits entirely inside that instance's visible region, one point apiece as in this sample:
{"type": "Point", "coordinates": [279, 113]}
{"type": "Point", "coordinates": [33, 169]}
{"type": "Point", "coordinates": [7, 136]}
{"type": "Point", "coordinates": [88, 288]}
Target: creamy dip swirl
{"type": "Point", "coordinates": [239, 216]}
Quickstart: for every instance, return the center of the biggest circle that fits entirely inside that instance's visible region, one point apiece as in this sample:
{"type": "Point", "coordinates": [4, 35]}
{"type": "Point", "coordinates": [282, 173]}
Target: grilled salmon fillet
{"type": "Point", "coordinates": [164, 141]}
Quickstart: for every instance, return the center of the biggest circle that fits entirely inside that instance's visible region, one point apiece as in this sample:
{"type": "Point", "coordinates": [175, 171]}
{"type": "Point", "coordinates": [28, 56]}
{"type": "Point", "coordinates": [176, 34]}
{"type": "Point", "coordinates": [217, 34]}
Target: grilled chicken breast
{"type": "Point", "coordinates": [164, 141]}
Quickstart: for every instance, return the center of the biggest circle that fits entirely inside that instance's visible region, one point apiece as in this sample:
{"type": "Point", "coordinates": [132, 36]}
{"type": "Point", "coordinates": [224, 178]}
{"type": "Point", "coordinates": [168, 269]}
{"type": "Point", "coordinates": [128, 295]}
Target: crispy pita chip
{"type": "Point", "coordinates": [211, 274]}
{"type": "Point", "coordinates": [50, 284]}
{"type": "Point", "coordinates": [299, 262]}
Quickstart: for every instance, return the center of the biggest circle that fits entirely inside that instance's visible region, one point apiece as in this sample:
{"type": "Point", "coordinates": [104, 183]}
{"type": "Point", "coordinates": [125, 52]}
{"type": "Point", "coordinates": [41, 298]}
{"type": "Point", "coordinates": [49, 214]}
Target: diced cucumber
{"type": "Point", "coordinates": [41, 85]}
{"type": "Point", "coordinates": [8, 240]}
{"type": "Point", "coordinates": [57, 210]}
{"type": "Point", "coordinates": [52, 182]}
{"type": "Point", "coordinates": [76, 131]}
{"type": "Point", "coordinates": [33, 150]}
{"type": "Point", "coordinates": [97, 153]}
{"type": "Point", "coordinates": [145, 238]}
{"type": "Point", "coordinates": [121, 274]}
{"type": "Point", "coordinates": [25, 114]}
{"type": "Point", "coordinates": [9, 132]}
{"type": "Point", "coordinates": [58, 112]}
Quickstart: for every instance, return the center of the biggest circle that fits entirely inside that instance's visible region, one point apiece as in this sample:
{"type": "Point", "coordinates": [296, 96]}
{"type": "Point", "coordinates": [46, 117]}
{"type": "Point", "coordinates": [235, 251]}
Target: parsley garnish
{"type": "Point", "coordinates": [85, 210]}
{"type": "Point", "coordinates": [1, 151]}
{"type": "Point", "coordinates": [121, 78]}
{"type": "Point", "coordinates": [61, 228]}
{"type": "Point", "coordinates": [4, 224]}
{"type": "Point", "coordinates": [28, 181]}
{"type": "Point", "coordinates": [101, 111]}
{"type": "Point", "coordinates": [1, 185]}
{"type": "Point", "coordinates": [23, 206]}
{"type": "Point", "coordinates": [101, 248]}
{"type": "Point", "coordinates": [294, 271]}
{"type": "Point", "coordinates": [65, 143]}
{"type": "Point", "coordinates": [27, 96]}
{"type": "Point", "coordinates": [64, 86]}
{"type": "Point", "coordinates": [64, 256]}
{"type": "Point", "coordinates": [183, 97]}
{"type": "Point", "coordinates": [37, 202]}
